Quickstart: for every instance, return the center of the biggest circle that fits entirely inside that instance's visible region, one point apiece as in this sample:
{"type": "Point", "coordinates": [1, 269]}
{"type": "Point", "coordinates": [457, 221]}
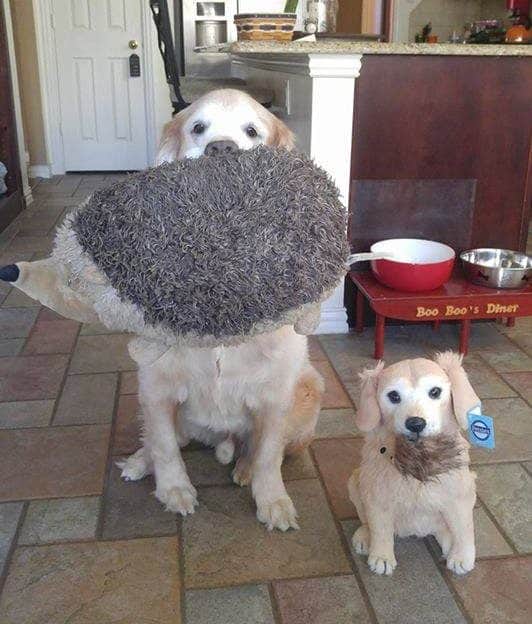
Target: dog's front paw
{"type": "Point", "coordinates": [460, 563]}
{"type": "Point", "coordinates": [279, 514]}
{"type": "Point", "coordinates": [382, 564]}
{"type": "Point", "coordinates": [180, 500]}
{"type": "Point", "coordinates": [360, 540]}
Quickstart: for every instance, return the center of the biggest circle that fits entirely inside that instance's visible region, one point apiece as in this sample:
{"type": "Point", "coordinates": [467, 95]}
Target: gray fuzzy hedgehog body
{"type": "Point", "coordinates": [209, 251]}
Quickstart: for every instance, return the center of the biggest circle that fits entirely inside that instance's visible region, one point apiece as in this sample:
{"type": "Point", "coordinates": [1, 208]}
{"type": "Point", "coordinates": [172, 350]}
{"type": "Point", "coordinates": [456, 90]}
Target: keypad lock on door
{"type": "Point", "coordinates": [134, 66]}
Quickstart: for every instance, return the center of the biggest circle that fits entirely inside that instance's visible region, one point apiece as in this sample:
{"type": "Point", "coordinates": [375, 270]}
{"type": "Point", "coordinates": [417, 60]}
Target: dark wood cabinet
{"type": "Point", "coordinates": [12, 202]}
{"type": "Point", "coordinates": [442, 150]}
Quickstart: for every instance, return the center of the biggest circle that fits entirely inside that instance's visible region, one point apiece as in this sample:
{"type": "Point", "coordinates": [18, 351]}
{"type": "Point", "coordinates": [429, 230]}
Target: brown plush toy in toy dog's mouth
{"type": "Point", "coordinates": [425, 458]}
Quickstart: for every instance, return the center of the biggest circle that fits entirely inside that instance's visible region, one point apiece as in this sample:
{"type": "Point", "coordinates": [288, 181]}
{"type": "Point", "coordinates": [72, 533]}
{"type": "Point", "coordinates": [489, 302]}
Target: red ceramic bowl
{"type": "Point", "coordinates": [419, 264]}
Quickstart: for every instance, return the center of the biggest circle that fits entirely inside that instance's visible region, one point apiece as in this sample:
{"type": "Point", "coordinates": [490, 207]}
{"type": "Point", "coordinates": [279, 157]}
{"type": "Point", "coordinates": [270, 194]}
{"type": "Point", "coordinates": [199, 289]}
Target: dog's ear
{"type": "Point", "coordinates": [463, 396]}
{"type": "Point", "coordinates": [280, 134]}
{"type": "Point", "coordinates": [171, 139]}
{"type": "Point", "coordinates": [368, 414]}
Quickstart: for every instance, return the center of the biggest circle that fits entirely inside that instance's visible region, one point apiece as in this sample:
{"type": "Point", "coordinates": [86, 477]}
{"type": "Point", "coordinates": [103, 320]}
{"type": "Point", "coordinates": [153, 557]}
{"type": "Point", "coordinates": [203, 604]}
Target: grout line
{"type": "Point", "coordinates": [13, 546]}
{"type": "Point", "coordinates": [447, 580]}
{"type": "Point", "coordinates": [497, 525]}
{"type": "Point", "coordinates": [528, 470]}
{"type": "Point", "coordinates": [276, 611]}
{"type": "Point", "coordinates": [109, 464]}
{"type": "Point", "coordinates": [181, 566]}
{"type": "Point", "coordinates": [345, 546]}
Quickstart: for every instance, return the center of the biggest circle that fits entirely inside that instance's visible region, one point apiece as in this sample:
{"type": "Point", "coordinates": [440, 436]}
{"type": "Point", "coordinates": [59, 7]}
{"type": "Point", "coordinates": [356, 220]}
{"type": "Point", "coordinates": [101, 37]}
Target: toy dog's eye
{"type": "Point", "coordinates": [435, 393]}
{"type": "Point", "coordinates": [394, 396]}
{"type": "Point", "coordinates": [251, 132]}
{"type": "Point", "coordinates": [198, 128]}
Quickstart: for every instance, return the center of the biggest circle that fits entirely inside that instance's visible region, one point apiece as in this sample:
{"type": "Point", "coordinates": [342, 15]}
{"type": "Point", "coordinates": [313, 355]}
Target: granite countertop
{"type": "Point", "coordinates": [335, 46]}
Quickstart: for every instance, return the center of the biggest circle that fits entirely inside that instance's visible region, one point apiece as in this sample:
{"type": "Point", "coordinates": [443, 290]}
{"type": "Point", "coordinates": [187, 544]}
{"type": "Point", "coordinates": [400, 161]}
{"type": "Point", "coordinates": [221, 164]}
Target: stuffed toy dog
{"type": "Point", "coordinates": [202, 252]}
{"type": "Point", "coordinates": [414, 477]}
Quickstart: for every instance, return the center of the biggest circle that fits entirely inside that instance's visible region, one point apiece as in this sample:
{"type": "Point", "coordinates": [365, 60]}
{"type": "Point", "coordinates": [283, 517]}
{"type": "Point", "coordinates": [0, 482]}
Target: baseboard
{"type": "Point", "coordinates": [39, 171]}
{"type": "Point", "coordinates": [28, 196]}
{"type": "Point", "coordinates": [333, 322]}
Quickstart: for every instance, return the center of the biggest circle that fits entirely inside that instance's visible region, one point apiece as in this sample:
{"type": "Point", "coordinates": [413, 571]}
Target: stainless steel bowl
{"type": "Point", "coordinates": [497, 268]}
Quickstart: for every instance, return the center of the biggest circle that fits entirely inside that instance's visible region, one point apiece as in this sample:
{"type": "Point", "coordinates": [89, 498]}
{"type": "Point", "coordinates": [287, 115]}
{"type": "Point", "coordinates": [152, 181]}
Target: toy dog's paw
{"type": "Point", "coordinates": [460, 563]}
{"type": "Point", "coordinates": [382, 565]}
{"type": "Point", "coordinates": [180, 500]}
{"type": "Point", "coordinates": [360, 540]}
{"type": "Point", "coordinates": [279, 514]}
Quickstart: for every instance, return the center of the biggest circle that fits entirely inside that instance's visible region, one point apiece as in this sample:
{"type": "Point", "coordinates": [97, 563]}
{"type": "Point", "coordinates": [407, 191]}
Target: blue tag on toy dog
{"type": "Point", "coordinates": [480, 428]}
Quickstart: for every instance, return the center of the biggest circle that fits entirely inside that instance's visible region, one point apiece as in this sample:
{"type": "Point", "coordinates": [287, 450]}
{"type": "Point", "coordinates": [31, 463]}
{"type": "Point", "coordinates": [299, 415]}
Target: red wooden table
{"type": "Point", "coordinates": [457, 300]}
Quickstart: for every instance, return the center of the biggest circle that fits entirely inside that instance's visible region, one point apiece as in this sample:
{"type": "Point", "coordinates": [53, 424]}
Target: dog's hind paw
{"type": "Point", "coordinates": [460, 564]}
{"type": "Point", "coordinates": [135, 467]}
{"type": "Point", "coordinates": [382, 565]}
{"type": "Point", "coordinates": [225, 451]}
{"type": "Point", "coordinates": [242, 472]}
{"type": "Point", "coordinates": [279, 514]}
{"type": "Point", "coordinates": [180, 500]}
{"type": "Point", "coordinates": [360, 540]}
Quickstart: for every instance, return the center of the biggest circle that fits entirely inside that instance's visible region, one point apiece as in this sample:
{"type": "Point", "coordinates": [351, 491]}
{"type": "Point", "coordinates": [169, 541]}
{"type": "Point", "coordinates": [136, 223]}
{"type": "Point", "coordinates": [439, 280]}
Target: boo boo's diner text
{"type": "Point", "coordinates": [452, 310]}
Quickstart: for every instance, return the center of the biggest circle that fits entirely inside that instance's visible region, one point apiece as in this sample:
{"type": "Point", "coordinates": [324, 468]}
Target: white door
{"type": "Point", "coordinates": [103, 109]}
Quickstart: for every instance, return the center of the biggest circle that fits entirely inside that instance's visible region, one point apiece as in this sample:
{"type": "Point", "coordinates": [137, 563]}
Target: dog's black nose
{"type": "Point", "coordinates": [220, 147]}
{"type": "Point", "coordinates": [9, 273]}
{"type": "Point", "coordinates": [415, 424]}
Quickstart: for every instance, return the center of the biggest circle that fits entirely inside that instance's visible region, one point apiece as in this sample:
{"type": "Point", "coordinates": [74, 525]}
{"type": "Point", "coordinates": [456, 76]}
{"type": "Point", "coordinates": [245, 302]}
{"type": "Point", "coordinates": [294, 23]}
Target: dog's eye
{"type": "Point", "coordinates": [394, 396]}
{"type": "Point", "coordinates": [435, 393]}
{"type": "Point", "coordinates": [198, 128]}
{"type": "Point", "coordinates": [251, 132]}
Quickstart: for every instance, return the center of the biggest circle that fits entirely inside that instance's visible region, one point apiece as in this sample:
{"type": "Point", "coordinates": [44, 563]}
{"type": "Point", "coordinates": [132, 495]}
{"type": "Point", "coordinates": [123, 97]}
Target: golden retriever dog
{"type": "Point", "coordinates": [414, 477]}
{"type": "Point", "coordinates": [262, 396]}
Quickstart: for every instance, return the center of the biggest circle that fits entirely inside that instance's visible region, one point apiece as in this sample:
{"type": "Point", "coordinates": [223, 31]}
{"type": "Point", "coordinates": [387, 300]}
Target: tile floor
{"type": "Point", "coordinates": [78, 545]}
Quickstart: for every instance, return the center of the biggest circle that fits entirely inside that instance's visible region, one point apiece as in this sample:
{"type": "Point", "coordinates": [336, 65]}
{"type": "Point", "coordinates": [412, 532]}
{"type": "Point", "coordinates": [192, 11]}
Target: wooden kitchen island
{"type": "Point", "coordinates": [423, 140]}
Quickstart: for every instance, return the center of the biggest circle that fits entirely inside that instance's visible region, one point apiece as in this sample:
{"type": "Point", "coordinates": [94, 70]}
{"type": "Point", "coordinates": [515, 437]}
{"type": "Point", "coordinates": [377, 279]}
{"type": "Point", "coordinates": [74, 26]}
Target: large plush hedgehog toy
{"type": "Point", "coordinates": [202, 252]}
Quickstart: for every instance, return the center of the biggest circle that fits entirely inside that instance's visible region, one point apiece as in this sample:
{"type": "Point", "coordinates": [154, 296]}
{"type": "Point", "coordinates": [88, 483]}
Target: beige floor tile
{"type": "Point", "coordinates": [513, 431]}
{"type": "Point", "coordinates": [60, 519]}
{"type": "Point", "coordinates": [506, 490]}
{"type": "Point", "coordinates": [9, 518]}
{"type": "Point", "coordinates": [87, 399]}
{"type": "Point", "coordinates": [497, 591]}
{"type": "Point", "coordinates": [101, 354]}
{"type": "Point", "coordinates": [229, 605]}
{"type": "Point", "coordinates": [521, 382]}
{"type": "Point", "coordinates": [53, 463]}
{"type": "Point", "coordinates": [329, 600]}
{"type": "Point", "coordinates": [336, 460]}
{"type": "Point", "coordinates": [487, 384]}
{"type": "Point", "coordinates": [225, 544]}
{"type": "Point", "coordinates": [18, 414]}
{"type": "Point", "coordinates": [336, 423]}
{"type": "Point", "coordinates": [131, 582]}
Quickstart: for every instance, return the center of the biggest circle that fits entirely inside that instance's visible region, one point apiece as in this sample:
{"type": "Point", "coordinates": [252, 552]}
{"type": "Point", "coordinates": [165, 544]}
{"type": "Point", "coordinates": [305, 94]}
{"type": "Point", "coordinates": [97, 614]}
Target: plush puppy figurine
{"type": "Point", "coordinates": [414, 477]}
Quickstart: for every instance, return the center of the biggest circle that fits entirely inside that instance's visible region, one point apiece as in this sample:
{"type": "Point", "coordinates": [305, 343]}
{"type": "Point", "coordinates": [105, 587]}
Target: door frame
{"type": "Point", "coordinates": [49, 83]}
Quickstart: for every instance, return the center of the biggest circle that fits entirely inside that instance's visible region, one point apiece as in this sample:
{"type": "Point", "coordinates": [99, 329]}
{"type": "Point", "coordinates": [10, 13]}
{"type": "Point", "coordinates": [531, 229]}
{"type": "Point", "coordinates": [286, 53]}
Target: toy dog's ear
{"type": "Point", "coordinates": [368, 414]}
{"type": "Point", "coordinates": [463, 395]}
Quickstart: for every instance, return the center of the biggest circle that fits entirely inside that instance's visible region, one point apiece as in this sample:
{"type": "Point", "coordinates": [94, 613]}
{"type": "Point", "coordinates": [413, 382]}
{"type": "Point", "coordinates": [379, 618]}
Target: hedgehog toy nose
{"type": "Point", "coordinates": [415, 424]}
{"type": "Point", "coordinates": [220, 147]}
{"type": "Point", "coordinates": [9, 273]}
